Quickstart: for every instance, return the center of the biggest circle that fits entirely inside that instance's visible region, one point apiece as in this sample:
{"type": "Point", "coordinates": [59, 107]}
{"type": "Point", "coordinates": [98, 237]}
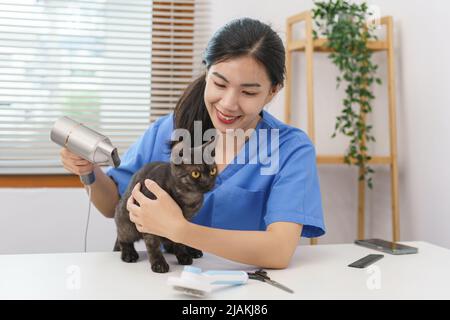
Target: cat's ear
{"type": "Point", "coordinates": [180, 153]}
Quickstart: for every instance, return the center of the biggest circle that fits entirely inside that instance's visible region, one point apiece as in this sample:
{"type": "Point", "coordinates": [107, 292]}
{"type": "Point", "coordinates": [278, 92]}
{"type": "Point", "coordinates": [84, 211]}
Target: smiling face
{"type": "Point", "coordinates": [236, 92]}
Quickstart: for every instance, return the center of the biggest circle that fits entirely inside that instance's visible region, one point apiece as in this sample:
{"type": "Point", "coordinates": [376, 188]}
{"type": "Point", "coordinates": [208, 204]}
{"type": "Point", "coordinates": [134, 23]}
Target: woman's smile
{"type": "Point", "coordinates": [225, 118]}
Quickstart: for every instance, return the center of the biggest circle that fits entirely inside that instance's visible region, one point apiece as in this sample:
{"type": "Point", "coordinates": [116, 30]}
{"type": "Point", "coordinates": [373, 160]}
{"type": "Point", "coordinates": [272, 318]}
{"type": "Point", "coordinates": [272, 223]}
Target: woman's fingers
{"type": "Point", "coordinates": [67, 154]}
{"type": "Point", "coordinates": [132, 209]}
{"type": "Point", "coordinates": [138, 195]}
{"type": "Point", "coordinates": [78, 170]}
{"type": "Point", "coordinates": [134, 214]}
{"type": "Point", "coordinates": [81, 162]}
{"type": "Point", "coordinates": [130, 204]}
{"type": "Point", "coordinates": [155, 188]}
{"type": "Point", "coordinates": [74, 163]}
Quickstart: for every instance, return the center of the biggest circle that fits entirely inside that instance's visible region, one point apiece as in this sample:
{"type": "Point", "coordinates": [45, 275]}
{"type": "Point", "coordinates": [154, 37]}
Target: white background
{"type": "Point", "coordinates": [52, 220]}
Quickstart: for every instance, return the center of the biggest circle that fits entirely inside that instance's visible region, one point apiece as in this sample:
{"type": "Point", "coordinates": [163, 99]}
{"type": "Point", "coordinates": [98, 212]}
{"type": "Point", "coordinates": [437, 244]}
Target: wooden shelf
{"type": "Point", "coordinates": [320, 45]}
{"type": "Point", "coordinates": [330, 159]}
{"type": "Point", "coordinates": [309, 46]}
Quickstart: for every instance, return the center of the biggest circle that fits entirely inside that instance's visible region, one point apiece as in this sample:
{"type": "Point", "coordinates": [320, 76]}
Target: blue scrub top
{"type": "Point", "coordinates": [249, 194]}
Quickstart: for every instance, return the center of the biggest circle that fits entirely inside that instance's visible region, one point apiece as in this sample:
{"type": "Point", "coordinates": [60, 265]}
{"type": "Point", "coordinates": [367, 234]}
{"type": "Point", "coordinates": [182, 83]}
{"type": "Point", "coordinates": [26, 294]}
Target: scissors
{"type": "Point", "coordinates": [261, 275]}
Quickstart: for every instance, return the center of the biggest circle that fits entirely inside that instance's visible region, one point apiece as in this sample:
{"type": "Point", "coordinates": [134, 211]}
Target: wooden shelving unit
{"type": "Point", "coordinates": [309, 46]}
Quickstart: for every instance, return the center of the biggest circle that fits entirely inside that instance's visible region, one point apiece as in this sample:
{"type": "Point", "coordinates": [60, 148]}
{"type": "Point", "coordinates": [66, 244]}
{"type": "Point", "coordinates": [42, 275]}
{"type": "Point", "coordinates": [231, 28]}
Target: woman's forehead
{"type": "Point", "coordinates": [242, 70]}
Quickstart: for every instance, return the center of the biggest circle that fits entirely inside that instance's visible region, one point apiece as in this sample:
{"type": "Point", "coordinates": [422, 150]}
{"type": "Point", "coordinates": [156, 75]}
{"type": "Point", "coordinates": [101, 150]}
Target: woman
{"type": "Point", "coordinates": [249, 217]}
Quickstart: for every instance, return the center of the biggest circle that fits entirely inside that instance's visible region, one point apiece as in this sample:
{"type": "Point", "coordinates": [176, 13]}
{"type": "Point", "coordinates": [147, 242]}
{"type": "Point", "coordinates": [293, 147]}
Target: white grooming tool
{"type": "Point", "coordinates": [197, 283]}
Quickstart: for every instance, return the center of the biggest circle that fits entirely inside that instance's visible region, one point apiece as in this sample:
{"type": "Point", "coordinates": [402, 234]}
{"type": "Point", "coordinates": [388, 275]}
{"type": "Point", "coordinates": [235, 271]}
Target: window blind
{"type": "Point", "coordinates": [179, 36]}
{"type": "Point", "coordinates": [92, 61]}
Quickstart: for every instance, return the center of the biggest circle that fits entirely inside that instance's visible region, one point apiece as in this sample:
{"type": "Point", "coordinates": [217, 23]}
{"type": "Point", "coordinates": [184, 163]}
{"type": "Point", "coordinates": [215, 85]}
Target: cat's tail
{"type": "Point", "coordinates": [116, 245]}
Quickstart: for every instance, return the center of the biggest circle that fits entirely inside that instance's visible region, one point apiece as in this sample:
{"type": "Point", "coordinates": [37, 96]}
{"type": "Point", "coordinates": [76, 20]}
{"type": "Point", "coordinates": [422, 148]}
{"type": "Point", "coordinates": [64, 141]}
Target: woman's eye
{"type": "Point", "coordinates": [250, 93]}
{"type": "Point", "coordinates": [219, 85]}
{"type": "Point", "coordinates": [195, 174]}
{"type": "Point", "coordinates": [213, 171]}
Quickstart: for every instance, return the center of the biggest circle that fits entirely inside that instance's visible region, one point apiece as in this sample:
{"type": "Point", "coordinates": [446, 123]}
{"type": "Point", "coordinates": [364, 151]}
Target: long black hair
{"type": "Point", "coordinates": [240, 37]}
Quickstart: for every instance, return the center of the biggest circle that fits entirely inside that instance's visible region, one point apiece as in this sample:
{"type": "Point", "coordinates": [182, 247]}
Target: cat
{"type": "Point", "coordinates": [186, 183]}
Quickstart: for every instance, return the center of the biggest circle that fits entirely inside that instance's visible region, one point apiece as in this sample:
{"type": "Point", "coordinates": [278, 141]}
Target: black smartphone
{"type": "Point", "coordinates": [366, 261]}
{"type": "Point", "coordinates": [386, 246]}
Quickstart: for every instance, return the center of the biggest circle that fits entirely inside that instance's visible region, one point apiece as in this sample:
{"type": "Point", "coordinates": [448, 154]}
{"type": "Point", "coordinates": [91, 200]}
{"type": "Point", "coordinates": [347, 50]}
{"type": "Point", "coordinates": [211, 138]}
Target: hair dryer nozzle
{"type": "Point", "coordinates": [115, 158]}
{"type": "Point", "coordinates": [105, 150]}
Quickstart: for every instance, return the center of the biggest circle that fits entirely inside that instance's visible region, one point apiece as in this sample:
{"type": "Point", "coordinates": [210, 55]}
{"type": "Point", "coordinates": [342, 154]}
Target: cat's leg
{"type": "Point", "coordinates": [127, 234]}
{"type": "Point", "coordinates": [167, 244]}
{"type": "Point", "coordinates": [194, 253]}
{"type": "Point", "coordinates": [126, 237]}
{"type": "Point", "coordinates": [157, 260]}
{"type": "Point", "coordinates": [129, 253]}
{"type": "Point", "coordinates": [182, 254]}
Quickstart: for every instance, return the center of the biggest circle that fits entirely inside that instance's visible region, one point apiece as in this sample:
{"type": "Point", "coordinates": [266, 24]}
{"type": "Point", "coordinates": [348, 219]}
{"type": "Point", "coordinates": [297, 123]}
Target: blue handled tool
{"type": "Point", "coordinates": [197, 283]}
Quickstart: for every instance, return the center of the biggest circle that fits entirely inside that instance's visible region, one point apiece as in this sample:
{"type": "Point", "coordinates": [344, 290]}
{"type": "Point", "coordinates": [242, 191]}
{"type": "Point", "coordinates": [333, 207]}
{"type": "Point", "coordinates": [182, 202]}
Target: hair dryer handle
{"type": "Point", "coordinates": [88, 179]}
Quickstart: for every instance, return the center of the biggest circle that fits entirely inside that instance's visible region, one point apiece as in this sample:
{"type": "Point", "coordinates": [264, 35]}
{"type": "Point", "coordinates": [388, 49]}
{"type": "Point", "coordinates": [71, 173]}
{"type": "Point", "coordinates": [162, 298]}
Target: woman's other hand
{"type": "Point", "coordinates": [162, 217]}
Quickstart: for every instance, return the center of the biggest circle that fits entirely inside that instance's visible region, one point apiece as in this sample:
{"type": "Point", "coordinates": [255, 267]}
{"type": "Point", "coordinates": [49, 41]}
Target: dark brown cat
{"type": "Point", "coordinates": [186, 183]}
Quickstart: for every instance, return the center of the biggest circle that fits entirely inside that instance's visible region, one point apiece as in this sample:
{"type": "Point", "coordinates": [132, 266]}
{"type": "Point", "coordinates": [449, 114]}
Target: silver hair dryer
{"type": "Point", "coordinates": [86, 143]}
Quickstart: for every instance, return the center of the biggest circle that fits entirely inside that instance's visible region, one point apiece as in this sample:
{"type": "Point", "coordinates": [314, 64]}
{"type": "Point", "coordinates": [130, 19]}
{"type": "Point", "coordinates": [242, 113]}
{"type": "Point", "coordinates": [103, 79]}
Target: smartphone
{"type": "Point", "coordinates": [386, 246]}
{"type": "Point", "coordinates": [366, 261]}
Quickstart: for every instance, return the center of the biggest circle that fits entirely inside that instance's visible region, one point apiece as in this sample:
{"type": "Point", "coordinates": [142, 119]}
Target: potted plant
{"type": "Point", "coordinates": [345, 27]}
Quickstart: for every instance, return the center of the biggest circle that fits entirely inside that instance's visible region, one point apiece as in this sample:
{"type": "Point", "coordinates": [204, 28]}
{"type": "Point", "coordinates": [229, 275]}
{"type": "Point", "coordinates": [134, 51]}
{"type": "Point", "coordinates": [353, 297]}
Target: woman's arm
{"type": "Point", "coordinates": [104, 193]}
{"type": "Point", "coordinates": [267, 249]}
{"type": "Point", "coordinates": [272, 248]}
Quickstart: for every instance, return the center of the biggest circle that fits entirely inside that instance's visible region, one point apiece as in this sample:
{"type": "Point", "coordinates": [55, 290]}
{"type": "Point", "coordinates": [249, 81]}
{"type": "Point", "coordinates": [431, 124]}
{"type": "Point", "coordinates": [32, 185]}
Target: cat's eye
{"type": "Point", "coordinates": [195, 174]}
{"type": "Point", "coordinates": [213, 171]}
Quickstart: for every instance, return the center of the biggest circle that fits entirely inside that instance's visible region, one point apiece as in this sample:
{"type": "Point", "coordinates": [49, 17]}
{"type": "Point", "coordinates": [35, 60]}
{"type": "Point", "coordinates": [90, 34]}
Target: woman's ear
{"type": "Point", "coordinates": [275, 89]}
{"type": "Point", "coordinates": [273, 92]}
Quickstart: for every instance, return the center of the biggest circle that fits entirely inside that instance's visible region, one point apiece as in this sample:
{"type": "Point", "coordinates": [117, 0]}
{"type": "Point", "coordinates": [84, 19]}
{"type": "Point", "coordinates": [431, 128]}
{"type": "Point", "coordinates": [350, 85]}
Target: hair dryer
{"type": "Point", "coordinates": [85, 143]}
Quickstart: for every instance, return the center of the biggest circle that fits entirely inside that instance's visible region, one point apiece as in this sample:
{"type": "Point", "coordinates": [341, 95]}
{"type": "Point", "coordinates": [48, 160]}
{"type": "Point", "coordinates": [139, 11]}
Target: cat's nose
{"type": "Point", "coordinates": [208, 185]}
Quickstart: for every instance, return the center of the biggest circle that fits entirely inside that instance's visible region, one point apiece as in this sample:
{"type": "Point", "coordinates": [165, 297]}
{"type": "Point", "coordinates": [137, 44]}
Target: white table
{"type": "Point", "coordinates": [316, 272]}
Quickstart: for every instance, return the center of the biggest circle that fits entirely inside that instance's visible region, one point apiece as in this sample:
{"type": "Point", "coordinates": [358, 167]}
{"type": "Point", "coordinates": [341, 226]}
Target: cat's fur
{"type": "Point", "coordinates": [178, 182]}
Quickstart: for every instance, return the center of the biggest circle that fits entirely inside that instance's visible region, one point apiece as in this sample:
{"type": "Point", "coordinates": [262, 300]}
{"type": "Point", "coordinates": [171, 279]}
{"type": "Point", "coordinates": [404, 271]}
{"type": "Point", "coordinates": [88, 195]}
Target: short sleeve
{"type": "Point", "coordinates": [295, 193]}
{"type": "Point", "coordinates": [151, 146]}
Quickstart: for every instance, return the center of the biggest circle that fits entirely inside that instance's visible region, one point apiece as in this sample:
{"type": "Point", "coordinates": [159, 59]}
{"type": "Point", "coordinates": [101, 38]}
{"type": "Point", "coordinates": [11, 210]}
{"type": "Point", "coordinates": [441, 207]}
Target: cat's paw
{"type": "Point", "coordinates": [195, 253]}
{"type": "Point", "coordinates": [129, 256]}
{"type": "Point", "coordinates": [160, 267]}
{"type": "Point", "coordinates": [184, 259]}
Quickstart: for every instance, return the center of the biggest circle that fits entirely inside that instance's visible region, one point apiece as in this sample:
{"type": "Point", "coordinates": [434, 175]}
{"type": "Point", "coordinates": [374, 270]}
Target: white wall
{"type": "Point", "coordinates": [52, 220]}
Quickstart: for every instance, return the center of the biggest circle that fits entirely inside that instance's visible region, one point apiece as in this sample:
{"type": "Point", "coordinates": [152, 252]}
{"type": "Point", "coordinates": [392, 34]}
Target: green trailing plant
{"type": "Point", "coordinates": [345, 27]}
